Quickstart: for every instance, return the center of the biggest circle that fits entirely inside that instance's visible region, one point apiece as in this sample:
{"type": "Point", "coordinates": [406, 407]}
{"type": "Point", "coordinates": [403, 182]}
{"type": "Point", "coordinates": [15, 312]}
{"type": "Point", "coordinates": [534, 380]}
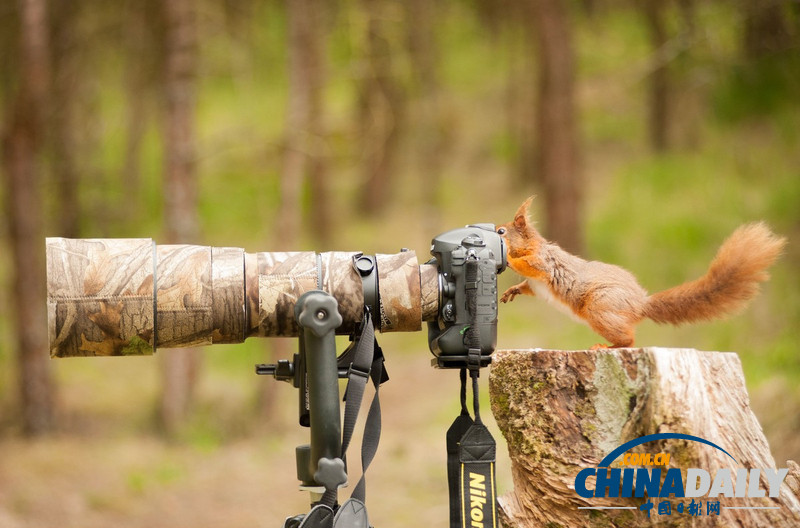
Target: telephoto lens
{"type": "Point", "coordinates": [119, 297]}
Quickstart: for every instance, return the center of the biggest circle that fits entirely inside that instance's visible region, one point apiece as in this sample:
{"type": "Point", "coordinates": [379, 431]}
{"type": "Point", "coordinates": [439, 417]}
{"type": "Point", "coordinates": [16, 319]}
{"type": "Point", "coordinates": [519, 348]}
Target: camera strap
{"type": "Point", "coordinates": [471, 449]}
{"type": "Point", "coordinates": [471, 455]}
{"type": "Point", "coordinates": [460, 425]}
{"type": "Point", "coordinates": [365, 362]}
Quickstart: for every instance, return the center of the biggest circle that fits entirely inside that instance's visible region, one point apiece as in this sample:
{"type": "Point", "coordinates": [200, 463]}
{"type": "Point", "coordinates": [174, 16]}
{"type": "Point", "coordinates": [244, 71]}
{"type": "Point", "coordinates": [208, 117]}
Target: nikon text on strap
{"type": "Point", "coordinates": [471, 454]}
{"type": "Point", "coordinates": [454, 435]}
{"type": "Point", "coordinates": [476, 455]}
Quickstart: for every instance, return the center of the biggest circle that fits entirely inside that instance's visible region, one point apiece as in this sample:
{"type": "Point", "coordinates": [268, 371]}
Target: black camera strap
{"type": "Point", "coordinates": [471, 455]}
{"type": "Point", "coordinates": [460, 425]}
{"type": "Point", "coordinates": [365, 362]}
{"type": "Point", "coordinates": [471, 449]}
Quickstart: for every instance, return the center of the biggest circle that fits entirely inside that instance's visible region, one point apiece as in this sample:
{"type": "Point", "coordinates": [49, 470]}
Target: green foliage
{"type": "Point", "coordinates": [758, 88]}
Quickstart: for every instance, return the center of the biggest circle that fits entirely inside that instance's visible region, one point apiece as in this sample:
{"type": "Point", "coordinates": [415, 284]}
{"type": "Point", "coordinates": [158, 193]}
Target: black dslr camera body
{"type": "Point", "coordinates": [469, 260]}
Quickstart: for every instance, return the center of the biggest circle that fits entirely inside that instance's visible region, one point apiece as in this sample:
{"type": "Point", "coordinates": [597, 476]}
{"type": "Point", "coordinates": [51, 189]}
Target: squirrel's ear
{"type": "Point", "coordinates": [521, 218]}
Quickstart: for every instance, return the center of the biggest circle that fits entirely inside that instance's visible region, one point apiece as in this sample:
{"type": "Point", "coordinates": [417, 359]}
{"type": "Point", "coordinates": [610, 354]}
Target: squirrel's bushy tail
{"type": "Point", "coordinates": [732, 279]}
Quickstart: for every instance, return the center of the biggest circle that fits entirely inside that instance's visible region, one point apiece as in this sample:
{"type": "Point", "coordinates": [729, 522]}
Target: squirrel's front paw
{"type": "Point", "coordinates": [509, 294]}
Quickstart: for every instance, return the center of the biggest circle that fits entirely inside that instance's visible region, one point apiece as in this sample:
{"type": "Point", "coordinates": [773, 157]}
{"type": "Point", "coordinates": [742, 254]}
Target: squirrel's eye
{"type": "Point", "coordinates": [501, 231]}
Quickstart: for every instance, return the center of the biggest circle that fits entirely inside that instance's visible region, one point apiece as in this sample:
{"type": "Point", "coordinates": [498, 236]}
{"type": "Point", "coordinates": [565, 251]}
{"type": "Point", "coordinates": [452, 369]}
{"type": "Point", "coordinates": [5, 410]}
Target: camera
{"type": "Point", "coordinates": [117, 297]}
{"type": "Point", "coordinates": [468, 261]}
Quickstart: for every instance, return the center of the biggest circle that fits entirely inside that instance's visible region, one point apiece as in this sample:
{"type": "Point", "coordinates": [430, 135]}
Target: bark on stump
{"type": "Point", "coordinates": [563, 411]}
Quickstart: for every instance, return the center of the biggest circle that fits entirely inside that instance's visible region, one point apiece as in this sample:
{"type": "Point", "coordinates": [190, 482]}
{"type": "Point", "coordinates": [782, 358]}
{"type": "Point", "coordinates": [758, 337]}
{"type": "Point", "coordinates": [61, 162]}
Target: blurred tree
{"type": "Point", "coordinates": [313, 59]}
{"type": "Point", "coordinates": [512, 33]}
{"type": "Point", "coordinates": [142, 36]}
{"type": "Point", "coordinates": [558, 157]}
{"type": "Point", "coordinates": [767, 27]}
{"type": "Point", "coordinates": [523, 93]}
{"type": "Point", "coordinates": [689, 101]}
{"type": "Point", "coordinates": [421, 22]}
{"type": "Point", "coordinates": [180, 366]}
{"type": "Point", "coordinates": [304, 155]}
{"type": "Point", "coordinates": [763, 81]}
{"type": "Point", "coordinates": [659, 93]}
{"type": "Point", "coordinates": [22, 143]}
{"type": "Point", "coordinates": [495, 14]}
{"type": "Point", "coordinates": [64, 130]}
{"type": "Point", "coordinates": [381, 108]}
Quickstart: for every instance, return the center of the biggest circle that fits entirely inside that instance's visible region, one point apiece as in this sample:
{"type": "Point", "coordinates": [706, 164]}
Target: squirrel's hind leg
{"type": "Point", "coordinates": [621, 335]}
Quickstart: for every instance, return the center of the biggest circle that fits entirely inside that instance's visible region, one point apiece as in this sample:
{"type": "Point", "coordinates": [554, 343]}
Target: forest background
{"type": "Point", "coordinates": [647, 129]}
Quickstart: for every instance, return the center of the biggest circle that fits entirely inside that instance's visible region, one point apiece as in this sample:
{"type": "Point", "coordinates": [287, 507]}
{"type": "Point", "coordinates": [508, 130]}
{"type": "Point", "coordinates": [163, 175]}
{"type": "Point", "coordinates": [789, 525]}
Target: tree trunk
{"type": "Point", "coordinates": [182, 225]}
{"type": "Point", "coordinates": [138, 85]}
{"type": "Point", "coordinates": [433, 130]}
{"type": "Point", "coordinates": [180, 367]}
{"type": "Point", "coordinates": [304, 156]}
{"type": "Point", "coordinates": [313, 60]}
{"type": "Point", "coordinates": [320, 216]}
{"type": "Point", "coordinates": [564, 411]}
{"type": "Point", "coordinates": [381, 111]}
{"type": "Point", "coordinates": [65, 80]}
{"type": "Point", "coordinates": [659, 95]}
{"type": "Point", "coordinates": [22, 143]}
{"type": "Point", "coordinates": [557, 134]}
{"type": "Point", "coordinates": [766, 29]}
{"type": "Point", "coordinates": [522, 95]}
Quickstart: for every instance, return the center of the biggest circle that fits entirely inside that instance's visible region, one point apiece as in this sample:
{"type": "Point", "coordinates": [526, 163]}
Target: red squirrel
{"type": "Point", "coordinates": [611, 301]}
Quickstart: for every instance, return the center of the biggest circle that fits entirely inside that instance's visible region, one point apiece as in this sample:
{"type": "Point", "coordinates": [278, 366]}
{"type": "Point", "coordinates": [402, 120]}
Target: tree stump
{"type": "Point", "coordinates": [564, 411]}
